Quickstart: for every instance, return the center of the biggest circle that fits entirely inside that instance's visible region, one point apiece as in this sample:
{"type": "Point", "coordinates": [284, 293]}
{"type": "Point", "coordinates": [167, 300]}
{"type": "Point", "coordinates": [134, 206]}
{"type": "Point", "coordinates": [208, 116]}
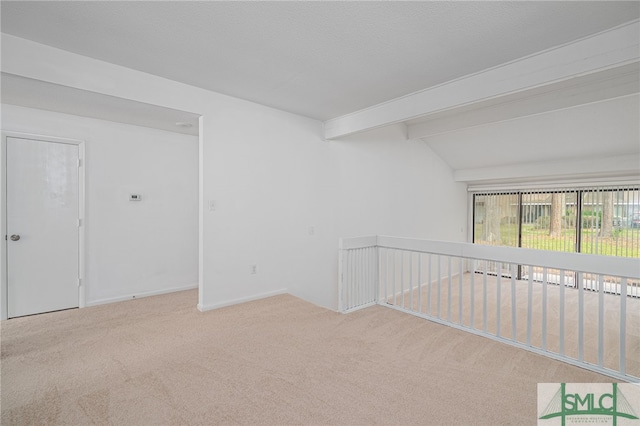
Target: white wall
{"type": "Point", "coordinates": [132, 248]}
{"type": "Point", "coordinates": [267, 172]}
{"type": "Point", "coordinates": [271, 177]}
{"type": "Point", "coordinates": [382, 184]}
{"type": "Point", "coordinates": [392, 186]}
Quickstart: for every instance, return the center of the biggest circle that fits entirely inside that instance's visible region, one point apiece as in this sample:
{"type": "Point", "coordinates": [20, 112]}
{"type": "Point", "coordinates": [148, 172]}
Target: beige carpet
{"type": "Point", "coordinates": [277, 361]}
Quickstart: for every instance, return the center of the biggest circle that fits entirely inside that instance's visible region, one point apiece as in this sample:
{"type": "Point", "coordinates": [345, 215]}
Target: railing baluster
{"type": "Point", "coordinates": [369, 280]}
{"type": "Point", "coordinates": [378, 274]}
{"type": "Point", "coordinates": [373, 274]}
{"type": "Point", "coordinates": [411, 279]}
{"type": "Point", "coordinates": [498, 296]}
{"type": "Point", "coordinates": [544, 308]}
{"type": "Point", "coordinates": [370, 275]}
{"type": "Point", "coordinates": [439, 284]}
{"type": "Point", "coordinates": [356, 281]}
{"type": "Point", "coordinates": [449, 288]}
{"type": "Point", "coordinates": [484, 296]}
{"type": "Point", "coordinates": [352, 280]}
{"type": "Point", "coordinates": [580, 316]}
{"type": "Point", "coordinates": [386, 273]}
{"type": "Point", "coordinates": [473, 284]}
{"type": "Point", "coordinates": [429, 287]}
{"type": "Point", "coordinates": [361, 279]}
{"type": "Point", "coordinates": [460, 273]}
{"type": "Point", "coordinates": [562, 286]}
{"type": "Point", "coordinates": [347, 278]}
{"type": "Point", "coordinates": [514, 316]}
{"type": "Point", "coordinates": [363, 276]}
{"type": "Point", "coordinates": [420, 282]}
{"type": "Point", "coordinates": [341, 291]}
{"type": "Point", "coordinates": [600, 320]}
{"type": "Point", "coordinates": [367, 274]}
{"type": "Point", "coordinates": [358, 271]}
{"type": "Point", "coordinates": [375, 271]}
{"type": "Point", "coordinates": [387, 266]}
{"type": "Point", "coordinates": [395, 297]}
{"type": "Point", "coordinates": [529, 304]}
{"type": "Point", "coordinates": [402, 276]}
{"type": "Point", "coordinates": [623, 326]}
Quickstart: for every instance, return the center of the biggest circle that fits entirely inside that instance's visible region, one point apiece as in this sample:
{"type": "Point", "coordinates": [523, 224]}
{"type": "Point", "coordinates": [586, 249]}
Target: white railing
{"type": "Point", "coordinates": [358, 273]}
{"type": "Point", "coordinates": [578, 308]}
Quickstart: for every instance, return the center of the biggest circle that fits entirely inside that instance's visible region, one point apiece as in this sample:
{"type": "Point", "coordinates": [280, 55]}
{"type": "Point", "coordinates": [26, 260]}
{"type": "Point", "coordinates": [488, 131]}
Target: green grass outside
{"type": "Point", "coordinates": [625, 243]}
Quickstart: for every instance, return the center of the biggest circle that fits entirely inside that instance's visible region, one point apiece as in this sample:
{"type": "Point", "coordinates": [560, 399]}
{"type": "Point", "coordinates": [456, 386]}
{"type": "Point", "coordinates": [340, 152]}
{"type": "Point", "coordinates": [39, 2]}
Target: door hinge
{"type": "Point", "coordinates": [79, 162]}
{"type": "Point", "coordinates": [79, 223]}
{"type": "Point", "coordinates": [79, 282]}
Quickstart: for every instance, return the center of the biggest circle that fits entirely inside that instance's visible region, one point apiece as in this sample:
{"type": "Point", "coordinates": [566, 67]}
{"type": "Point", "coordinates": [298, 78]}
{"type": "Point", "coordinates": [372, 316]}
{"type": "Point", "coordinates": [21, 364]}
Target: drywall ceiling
{"type": "Point", "coordinates": [21, 91]}
{"type": "Point", "coordinates": [593, 131]}
{"type": "Point", "coordinates": [598, 86]}
{"type": "Point", "coordinates": [317, 59]}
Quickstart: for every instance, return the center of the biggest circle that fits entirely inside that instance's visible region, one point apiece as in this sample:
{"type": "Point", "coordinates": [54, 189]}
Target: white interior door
{"type": "Point", "coordinates": [42, 226]}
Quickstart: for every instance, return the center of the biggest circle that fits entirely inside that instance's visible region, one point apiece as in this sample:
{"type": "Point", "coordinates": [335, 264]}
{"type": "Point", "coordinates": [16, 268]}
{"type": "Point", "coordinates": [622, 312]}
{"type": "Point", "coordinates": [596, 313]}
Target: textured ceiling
{"type": "Point", "coordinates": [318, 59]}
{"type": "Point", "coordinates": [612, 130]}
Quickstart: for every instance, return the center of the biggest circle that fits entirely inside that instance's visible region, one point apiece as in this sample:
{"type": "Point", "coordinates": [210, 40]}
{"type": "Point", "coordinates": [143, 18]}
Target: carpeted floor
{"type": "Point", "coordinates": [276, 361]}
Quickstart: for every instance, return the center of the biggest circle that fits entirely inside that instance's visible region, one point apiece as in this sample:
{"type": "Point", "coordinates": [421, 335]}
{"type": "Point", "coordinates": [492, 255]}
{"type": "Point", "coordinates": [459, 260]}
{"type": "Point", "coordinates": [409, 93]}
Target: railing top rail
{"type": "Point", "coordinates": [605, 265]}
{"type": "Point", "coordinates": [358, 242]}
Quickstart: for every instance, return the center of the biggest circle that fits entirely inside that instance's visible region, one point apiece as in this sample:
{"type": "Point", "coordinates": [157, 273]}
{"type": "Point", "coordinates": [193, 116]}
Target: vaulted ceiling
{"type": "Point", "coordinates": [317, 59]}
{"type": "Point", "coordinates": [438, 68]}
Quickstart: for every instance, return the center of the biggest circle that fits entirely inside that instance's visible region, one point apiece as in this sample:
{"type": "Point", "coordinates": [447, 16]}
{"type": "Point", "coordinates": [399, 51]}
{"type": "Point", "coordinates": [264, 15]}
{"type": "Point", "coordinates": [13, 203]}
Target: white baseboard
{"type": "Point", "coordinates": [140, 295]}
{"type": "Point", "coordinates": [204, 308]}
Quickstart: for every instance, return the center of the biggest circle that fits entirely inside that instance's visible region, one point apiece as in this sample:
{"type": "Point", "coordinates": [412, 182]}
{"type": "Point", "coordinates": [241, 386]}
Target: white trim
{"type": "Point", "coordinates": [4, 308]}
{"type": "Point", "coordinates": [358, 242]}
{"type": "Point", "coordinates": [606, 265]}
{"type": "Point", "coordinates": [560, 184]}
{"type": "Point", "coordinates": [133, 296]}
{"type": "Point", "coordinates": [201, 211]}
{"type": "Point", "coordinates": [82, 291]}
{"type": "Point", "coordinates": [204, 308]}
{"type": "Point", "coordinates": [582, 262]}
{"type": "Point", "coordinates": [3, 203]}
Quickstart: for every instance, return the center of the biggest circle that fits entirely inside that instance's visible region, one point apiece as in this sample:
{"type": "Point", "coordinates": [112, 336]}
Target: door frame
{"type": "Point", "coordinates": [82, 285]}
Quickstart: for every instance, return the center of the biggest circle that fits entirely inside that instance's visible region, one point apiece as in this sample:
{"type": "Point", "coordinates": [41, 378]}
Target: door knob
{"type": "Point", "coordinates": [15, 237]}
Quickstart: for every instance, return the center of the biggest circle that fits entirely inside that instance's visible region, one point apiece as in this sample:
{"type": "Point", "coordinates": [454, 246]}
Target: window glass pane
{"type": "Point", "coordinates": [549, 220]}
{"type": "Point", "coordinates": [611, 222]}
{"type": "Point", "coordinates": [496, 219]}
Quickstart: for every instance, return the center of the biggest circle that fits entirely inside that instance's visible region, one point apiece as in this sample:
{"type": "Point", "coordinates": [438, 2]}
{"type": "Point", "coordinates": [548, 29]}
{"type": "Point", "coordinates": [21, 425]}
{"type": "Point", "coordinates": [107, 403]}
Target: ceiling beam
{"type": "Point", "coordinates": [596, 87]}
{"type": "Point", "coordinates": [609, 49]}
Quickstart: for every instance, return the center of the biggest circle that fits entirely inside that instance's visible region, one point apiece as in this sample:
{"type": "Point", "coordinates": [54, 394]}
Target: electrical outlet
{"type": "Point", "coordinates": [254, 269]}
